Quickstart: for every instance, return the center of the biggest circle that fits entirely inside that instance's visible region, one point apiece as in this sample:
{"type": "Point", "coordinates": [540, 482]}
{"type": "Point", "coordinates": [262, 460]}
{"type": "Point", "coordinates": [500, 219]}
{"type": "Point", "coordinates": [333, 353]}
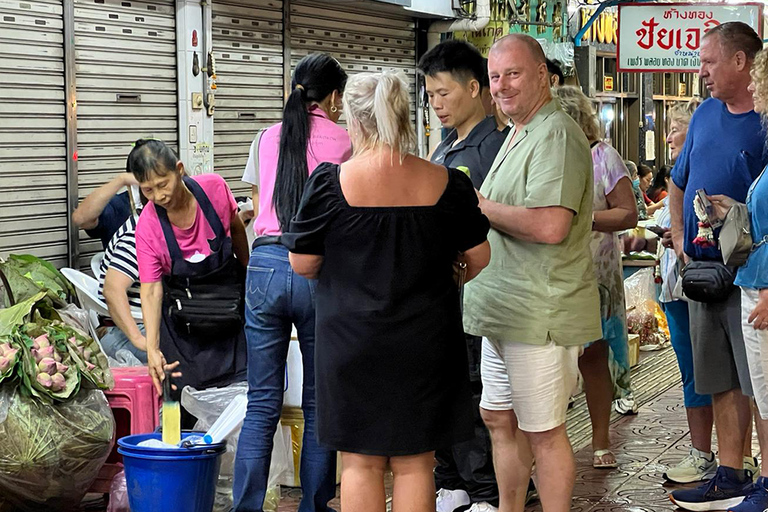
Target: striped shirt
{"type": "Point", "coordinates": [120, 255]}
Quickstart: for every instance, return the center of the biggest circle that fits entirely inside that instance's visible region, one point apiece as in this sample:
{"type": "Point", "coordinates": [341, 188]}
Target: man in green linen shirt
{"type": "Point", "coordinates": [537, 301]}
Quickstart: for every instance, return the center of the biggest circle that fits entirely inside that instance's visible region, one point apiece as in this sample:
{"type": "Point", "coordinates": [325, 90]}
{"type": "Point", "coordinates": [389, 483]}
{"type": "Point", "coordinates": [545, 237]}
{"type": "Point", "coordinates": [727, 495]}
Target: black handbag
{"type": "Point", "coordinates": [708, 281]}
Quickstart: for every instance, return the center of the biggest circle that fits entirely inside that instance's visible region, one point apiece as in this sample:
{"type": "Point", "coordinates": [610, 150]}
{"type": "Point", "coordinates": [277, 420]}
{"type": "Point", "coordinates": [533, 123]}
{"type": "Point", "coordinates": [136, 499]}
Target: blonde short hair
{"type": "Point", "coordinates": [378, 109]}
{"type": "Point", "coordinates": [759, 73]}
{"type": "Point", "coordinates": [577, 105]}
{"type": "Point", "coordinates": [682, 112]}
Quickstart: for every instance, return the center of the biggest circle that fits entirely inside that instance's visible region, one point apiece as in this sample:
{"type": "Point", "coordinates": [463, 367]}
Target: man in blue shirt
{"type": "Point", "coordinates": [104, 210]}
{"type": "Point", "coordinates": [455, 73]}
{"type": "Point", "coordinates": [723, 154]}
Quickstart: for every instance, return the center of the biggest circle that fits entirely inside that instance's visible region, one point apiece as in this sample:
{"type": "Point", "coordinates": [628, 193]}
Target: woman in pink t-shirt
{"type": "Point", "coordinates": [277, 297]}
{"type": "Point", "coordinates": [192, 285]}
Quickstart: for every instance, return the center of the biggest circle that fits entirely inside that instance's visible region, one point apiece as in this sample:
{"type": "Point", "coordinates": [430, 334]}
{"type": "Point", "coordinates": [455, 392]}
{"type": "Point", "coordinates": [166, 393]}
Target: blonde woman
{"type": "Point", "coordinates": [382, 233]}
{"type": "Point", "coordinates": [605, 363]}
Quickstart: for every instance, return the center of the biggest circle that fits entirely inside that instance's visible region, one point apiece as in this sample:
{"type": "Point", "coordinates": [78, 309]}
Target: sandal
{"type": "Point", "coordinates": [599, 462]}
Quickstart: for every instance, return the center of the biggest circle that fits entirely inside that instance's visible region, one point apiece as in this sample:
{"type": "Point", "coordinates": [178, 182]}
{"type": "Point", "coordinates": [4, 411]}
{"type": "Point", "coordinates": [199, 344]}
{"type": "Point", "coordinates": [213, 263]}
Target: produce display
{"type": "Point", "coordinates": [56, 426]}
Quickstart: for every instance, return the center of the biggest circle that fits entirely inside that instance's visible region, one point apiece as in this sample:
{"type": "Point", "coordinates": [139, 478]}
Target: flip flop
{"type": "Point", "coordinates": [597, 460]}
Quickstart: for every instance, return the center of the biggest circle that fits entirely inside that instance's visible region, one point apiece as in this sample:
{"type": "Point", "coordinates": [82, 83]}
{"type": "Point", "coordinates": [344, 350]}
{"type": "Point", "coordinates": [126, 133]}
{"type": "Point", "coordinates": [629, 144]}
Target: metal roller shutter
{"type": "Point", "coordinates": [33, 203]}
{"type": "Point", "coordinates": [126, 87]}
{"type": "Point", "coordinates": [248, 48]}
{"type": "Point", "coordinates": [361, 39]}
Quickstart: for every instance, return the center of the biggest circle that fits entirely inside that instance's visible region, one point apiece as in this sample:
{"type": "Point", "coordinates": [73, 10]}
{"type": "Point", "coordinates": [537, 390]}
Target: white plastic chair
{"type": "Point", "coordinates": [96, 264]}
{"type": "Point", "coordinates": [87, 289]}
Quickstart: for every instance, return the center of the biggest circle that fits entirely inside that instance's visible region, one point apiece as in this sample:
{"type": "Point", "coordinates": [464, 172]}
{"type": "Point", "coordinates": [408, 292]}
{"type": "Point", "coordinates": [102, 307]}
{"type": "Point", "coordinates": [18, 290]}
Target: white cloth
{"type": "Point", "coordinates": [756, 345]}
{"type": "Point", "coordinates": [668, 265]}
{"type": "Point", "coordinates": [535, 381]}
{"type": "Point", "coordinates": [251, 173]}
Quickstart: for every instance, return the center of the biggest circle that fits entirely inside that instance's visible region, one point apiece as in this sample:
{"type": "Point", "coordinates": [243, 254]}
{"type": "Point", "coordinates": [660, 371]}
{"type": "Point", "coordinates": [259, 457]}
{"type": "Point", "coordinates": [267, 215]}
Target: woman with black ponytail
{"type": "Point", "coordinates": [276, 297]}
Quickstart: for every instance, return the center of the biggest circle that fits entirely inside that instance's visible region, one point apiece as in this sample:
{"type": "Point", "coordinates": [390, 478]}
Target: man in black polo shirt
{"type": "Point", "coordinates": [455, 72]}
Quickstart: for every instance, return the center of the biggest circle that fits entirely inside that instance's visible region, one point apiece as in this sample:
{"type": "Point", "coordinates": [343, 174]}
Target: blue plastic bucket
{"type": "Point", "coordinates": [159, 480]}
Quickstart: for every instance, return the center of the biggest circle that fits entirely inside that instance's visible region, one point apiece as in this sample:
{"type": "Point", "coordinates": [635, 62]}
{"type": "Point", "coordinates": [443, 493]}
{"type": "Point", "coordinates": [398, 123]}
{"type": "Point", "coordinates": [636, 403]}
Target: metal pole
{"type": "Point", "coordinates": [70, 86]}
{"type": "Point", "coordinates": [286, 49]}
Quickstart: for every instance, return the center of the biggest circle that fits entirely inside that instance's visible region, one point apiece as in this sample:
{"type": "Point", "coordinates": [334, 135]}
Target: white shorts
{"type": "Point", "coordinates": [535, 381]}
{"type": "Point", "coordinates": [756, 345]}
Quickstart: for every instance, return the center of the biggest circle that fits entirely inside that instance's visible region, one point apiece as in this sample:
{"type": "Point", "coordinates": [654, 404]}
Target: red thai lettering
{"type": "Point", "coordinates": [646, 33]}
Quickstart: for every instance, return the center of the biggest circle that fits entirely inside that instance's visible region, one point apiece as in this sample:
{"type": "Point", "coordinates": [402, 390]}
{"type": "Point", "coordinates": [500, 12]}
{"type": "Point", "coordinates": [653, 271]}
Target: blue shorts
{"type": "Point", "coordinates": [680, 334]}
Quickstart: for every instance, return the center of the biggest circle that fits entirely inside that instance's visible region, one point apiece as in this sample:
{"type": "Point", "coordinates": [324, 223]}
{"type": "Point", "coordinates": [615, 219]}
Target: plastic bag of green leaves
{"type": "Point", "coordinates": [51, 454]}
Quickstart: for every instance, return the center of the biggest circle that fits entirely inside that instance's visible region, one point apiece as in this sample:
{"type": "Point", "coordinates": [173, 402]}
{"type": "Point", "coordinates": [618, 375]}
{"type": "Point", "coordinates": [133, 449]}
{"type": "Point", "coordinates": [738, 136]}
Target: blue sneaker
{"type": "Point", "coordinates": [723, 492]}
{"type": "Point", "coordinates": [757, 501]}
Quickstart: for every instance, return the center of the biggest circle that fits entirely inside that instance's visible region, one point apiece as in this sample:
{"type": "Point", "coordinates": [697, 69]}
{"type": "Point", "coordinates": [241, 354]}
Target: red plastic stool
{"type": "Point", "coordinates": [136, 407]}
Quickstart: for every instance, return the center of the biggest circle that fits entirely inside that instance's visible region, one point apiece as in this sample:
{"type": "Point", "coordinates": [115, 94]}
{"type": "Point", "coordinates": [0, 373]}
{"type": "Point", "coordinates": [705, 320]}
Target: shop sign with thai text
{"type": "Point", "coordinates": [667, 37]}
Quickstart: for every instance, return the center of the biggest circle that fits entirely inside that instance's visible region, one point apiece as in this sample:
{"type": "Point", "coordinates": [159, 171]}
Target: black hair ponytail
{"type": "Point", "coordinates": [316, 76]}
{"type": "Point", "coordinates": [150, 156]}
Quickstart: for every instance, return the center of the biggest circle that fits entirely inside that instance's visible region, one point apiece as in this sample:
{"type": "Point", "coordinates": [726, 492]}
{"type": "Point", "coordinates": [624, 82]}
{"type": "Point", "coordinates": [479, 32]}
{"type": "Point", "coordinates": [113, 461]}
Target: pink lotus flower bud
{"type": "Point", "coordinates": [61, 368]}
{"type": "Point", "coordinates": [89, 365]}
{"type": "Point", "coordinates": [73, 340]}
{"type": "Point", "coordinates": [58, 383]}
{"type": "Point", "coordinates": [87, 353]}
{"type": "Point", "coordinates": [47, 365]}
{"type": "Point", "coordinates": [11, 355]}
{"type": "Point", "coordinates": [42, 341]}
{"type": "Point", "coordinates": [46, 352]}
{"type": "Point", "coordinates": [44, 379]}
{"type": "Point", "coordinates": [5, 347]}
{"type": "Point", "coordinates": [5, 363]}
{"type": "Point", "coordinates": [56, 357]}
{"type": "Point", "coordinates": [36, 355]}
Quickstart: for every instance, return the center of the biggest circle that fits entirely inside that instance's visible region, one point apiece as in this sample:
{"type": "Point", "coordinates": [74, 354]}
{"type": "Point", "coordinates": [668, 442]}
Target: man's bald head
{"type": "Point", "coordinates": [515, 41]}
{"type": "Point", "coordinates": [519, 79]}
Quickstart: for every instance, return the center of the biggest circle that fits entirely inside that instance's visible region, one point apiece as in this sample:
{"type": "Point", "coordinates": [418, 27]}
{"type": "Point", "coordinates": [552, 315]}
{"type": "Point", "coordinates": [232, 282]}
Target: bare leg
{"type": "Point", "coordinates": [555, 468]}
{"type": "Point", "coordinates": [748, 435]}
{"type": "Point", "coordinates": [599, 391]}
{"type": "Point", "coordinates": [762, 437]}
{"type": "Point", "coordinates": [362, 483]}
{"type": "Point", "coordinates": [700, 422]}
{"type": "Point", "coordinates": [732, 414]}
{"type": "Point", "coordinates": [414, 483]}
{"type": "Point", "coordinates": [512, 459]}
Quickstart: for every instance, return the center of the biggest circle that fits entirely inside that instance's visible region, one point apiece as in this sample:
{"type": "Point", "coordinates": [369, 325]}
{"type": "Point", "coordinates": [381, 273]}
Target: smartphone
{"type": "Point", "coordinates": [707, 204]}
{"type": "Point", "coordinates": [657, 229]}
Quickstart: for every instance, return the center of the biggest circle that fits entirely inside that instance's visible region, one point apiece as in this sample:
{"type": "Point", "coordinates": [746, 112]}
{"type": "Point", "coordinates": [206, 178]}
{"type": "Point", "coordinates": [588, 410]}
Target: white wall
{"type": "Point", "coordinates": [442, 8]}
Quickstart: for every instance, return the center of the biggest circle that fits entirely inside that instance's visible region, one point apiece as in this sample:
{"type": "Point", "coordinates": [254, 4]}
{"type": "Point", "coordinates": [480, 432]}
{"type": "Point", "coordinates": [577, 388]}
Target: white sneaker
{"type": "Point", "coordinates": [625, 405]}
{"type": "Point", "coordinates": [751, 464]}
{"type": "Point", "coordinates": [482, 507]}
{"type": "Point", "coordinates": [697, 466]}
{"type": "Point", "coordinates": [448, 501]}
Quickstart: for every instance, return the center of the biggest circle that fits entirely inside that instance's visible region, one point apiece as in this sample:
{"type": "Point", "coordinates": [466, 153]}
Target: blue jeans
{"type": "Point", "coordinates": [116, 340]}
{"type": "Point", "coordinates": [276, 297]}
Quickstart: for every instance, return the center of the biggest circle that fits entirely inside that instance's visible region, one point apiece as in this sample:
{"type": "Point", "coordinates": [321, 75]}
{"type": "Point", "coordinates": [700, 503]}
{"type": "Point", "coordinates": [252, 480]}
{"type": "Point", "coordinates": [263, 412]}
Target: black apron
{"type": "Point", "coordinates": [205, 361]}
